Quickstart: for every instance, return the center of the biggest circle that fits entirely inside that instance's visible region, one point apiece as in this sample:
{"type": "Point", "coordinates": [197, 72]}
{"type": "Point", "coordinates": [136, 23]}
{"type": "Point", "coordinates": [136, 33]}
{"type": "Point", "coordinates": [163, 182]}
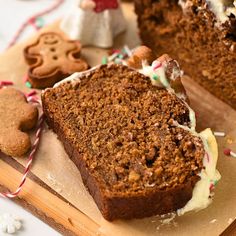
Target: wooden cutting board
{"type": "Point", "coordinates": [50, 205]}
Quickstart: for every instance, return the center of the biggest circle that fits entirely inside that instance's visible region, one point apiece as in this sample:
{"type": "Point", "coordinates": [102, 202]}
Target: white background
{"type": "Point", "coordinates": [12, 14]}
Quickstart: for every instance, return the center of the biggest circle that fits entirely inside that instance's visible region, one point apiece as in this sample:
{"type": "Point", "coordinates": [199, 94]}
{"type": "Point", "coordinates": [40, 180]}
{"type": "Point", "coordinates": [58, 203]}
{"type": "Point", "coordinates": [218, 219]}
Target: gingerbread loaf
{"type": "Point", "coordinates": [133, 140]}
{"type": "Point", "coordinates": [200, 34]}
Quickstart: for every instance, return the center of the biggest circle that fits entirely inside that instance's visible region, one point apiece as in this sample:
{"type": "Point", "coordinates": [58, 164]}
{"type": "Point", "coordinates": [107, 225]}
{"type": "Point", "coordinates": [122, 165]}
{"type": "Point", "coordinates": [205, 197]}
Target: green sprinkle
{"type": "Point", "coordinates": [39, 22]}
{"type": "Point", "coordinates": [120, 56]}
{"type": "Point", "coordinates": [28, 84]}
{"type": "Point", "coordinates": [215, 182]}
{"type": "Point", "coordinates": [155, 77]}
{"type": "Point", "coordinates": [117, 61]}
{"type": "Point", "coordinates": [104, 60]}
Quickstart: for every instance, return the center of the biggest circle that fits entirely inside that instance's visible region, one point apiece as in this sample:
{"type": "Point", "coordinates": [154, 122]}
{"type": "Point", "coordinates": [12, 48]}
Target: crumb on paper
{"type": "Point", "coordinates": [59, 190]}
{"type": "Point", "coordinates": [167, 219]}
{"type": "Point", "coordinates": [10, 223]}
{"type": "Point", "coordinates": [52, 180]}
{"type": "Point", "coordinates": [219, 134]}
{"type": "Point", "coordinates": [213, 221]}
{"type": "Point", "coordinates": [230, 220]}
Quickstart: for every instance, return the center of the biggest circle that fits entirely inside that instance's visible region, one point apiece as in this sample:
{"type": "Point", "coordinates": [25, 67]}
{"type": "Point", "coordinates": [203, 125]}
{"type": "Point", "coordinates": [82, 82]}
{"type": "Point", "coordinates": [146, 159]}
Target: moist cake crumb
{"type": "Point", "coordinates": [119, 130]}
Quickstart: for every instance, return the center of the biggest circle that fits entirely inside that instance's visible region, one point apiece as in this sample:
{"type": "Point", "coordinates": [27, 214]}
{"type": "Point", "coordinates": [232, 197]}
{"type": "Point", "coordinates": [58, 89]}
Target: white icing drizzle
{"type": "Point", "coordinates": [157, 76]}
{"type": "Point", "coordinates": [201, 197]}
{"type": "Point", "coordinates": [231, 10]}
{"type": "Point", "coordinates": [221, 8]}
{"type": "Point", "coordinates": [208, 175]}
{"type": "Point", "coordinates": [75, 78]}
{"type": "Point", "coordinates": [182, 4]}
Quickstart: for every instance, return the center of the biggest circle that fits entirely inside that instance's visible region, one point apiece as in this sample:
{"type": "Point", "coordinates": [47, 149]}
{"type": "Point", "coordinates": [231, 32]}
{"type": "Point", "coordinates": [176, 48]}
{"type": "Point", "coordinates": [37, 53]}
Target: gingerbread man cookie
{"type": "Point", "coordinates": [52, 58]}
{"type": "Point", "coordinates": [16, 117]}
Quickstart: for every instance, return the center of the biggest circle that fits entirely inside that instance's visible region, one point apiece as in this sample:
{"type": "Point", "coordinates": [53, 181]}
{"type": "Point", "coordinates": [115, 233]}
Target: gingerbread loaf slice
{"type": "Point", "coordinates": [200, 34]}
{"type": "Point", "coordinates": [133, 140]}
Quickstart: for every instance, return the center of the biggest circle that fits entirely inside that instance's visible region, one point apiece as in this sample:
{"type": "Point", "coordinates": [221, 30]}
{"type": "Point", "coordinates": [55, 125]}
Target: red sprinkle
{"type": "Point", "coordinates": [6, 83]}
{"type": "Point", "coordinates": [32, 93]}
{"type": "Point", "coordinates": [156, 64]}
{"type": "Point", "coordinates": [227, 151]}
{"type": "Point", "coordinates": [112, 51]}
{"type": "Point", "coordinates": [212, 187]}
{"type": "Point", "coordinates": [207, 157]}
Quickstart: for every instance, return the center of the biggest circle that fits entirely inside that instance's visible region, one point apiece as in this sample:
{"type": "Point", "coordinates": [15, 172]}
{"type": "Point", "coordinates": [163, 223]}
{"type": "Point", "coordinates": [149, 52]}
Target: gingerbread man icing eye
{"type": "Point", "coordinates": [51, 39]}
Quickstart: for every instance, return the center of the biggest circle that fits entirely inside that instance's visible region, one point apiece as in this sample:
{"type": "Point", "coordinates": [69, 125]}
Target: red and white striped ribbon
{"type": "Point", "coordinates": [31, 21]}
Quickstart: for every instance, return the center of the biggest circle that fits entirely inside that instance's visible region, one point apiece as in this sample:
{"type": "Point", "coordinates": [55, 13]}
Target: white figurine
{"type": "Point", "coordinates": [94, 22]}
{"type": "Point", "coordinates": [9, 223]}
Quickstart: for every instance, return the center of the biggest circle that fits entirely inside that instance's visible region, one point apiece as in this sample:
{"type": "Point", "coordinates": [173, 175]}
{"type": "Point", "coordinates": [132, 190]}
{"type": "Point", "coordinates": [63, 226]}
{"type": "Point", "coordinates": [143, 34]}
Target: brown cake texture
{"type": "Point", "coordinates": [120, 132]}
{"type": "Point", "coordinates": [190, 31]}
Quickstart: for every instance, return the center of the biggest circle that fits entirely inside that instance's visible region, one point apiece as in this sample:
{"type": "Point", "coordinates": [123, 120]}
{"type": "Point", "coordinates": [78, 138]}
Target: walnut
{"type": "Point", "coordinates": [182, 178]}
{"type": "Point", "coordinates": [133, 176]}
{"type": "Point", "coordinates": [141, 54]}
{"type": "Point", "coordinates": [119, 169]}
{"type": "Point", "coordinates": [158, 171]}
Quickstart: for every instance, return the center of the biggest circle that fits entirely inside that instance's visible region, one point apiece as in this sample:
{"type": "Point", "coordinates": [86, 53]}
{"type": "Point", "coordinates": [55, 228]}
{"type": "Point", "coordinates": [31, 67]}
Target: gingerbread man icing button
{"type": "Point", "coordinates": [16, 117]}
{"type": "Point", "coordinates": [52, 58]}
